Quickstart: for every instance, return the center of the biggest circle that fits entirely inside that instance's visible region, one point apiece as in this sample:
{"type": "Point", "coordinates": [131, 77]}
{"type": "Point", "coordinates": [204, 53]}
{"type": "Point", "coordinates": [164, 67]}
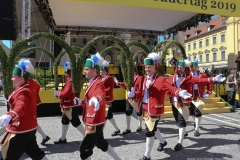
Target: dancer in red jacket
{"type": "Point", "coordinates": [151, 102]}
{"type": "Point", "coordinates": [137, 85]}
{"type": "Point", "coordinates": [70, 106]}
{"type": "Point", "coordinates": [180, 106]}
{"type": "Point", "coordinates": [94, 107]}
{"type": "Point", "coordinates": [21, 120]}
{"type": "Point", "coordinates": [199, 94]}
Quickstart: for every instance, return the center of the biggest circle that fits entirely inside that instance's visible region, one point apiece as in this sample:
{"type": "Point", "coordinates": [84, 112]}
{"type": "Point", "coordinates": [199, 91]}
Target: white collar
{"type": "Point", "coordinates": [90, 80]}
{"type": "Point", "coordinates": [150, 77]}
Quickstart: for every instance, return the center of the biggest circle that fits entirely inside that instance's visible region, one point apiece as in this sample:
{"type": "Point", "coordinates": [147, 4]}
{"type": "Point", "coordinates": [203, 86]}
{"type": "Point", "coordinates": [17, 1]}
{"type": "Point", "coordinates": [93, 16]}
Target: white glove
{"type": "Point", "coordinates": [115, 80]}
{"type": "Point", "coordinates": [77, 101]}
{"type": "Point", "coordinates": [205, 95]}
{"type": "Point", "coordinates": [219, 78]}
{"type": "Point", "coordinates": [184, 94]}
{"type": "Point", "coordinates": [55, 93]}
{"type": "Point", "coordinates": [94, 101]}
{"type": "Point", "coordinates": [4, 120]}
{"type": "Point", "coordinates": [131, 94]}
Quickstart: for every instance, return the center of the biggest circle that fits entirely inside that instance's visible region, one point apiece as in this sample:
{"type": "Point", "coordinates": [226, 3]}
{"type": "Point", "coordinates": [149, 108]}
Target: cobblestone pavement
{"type": "Point", "coordinates": [217, 141]}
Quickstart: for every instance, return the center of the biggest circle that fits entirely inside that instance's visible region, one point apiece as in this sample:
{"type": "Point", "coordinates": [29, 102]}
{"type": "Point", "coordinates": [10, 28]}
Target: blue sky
{"type": "Point", "coordinates": [7, 43]}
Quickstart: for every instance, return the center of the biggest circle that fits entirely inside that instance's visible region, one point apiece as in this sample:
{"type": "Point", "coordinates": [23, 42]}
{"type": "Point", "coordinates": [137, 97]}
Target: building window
{"type": "Point", "coordinates": [214, 40]}
{"type": "Point", "coordinates": [214, 57]}
{"type": "Point", "coordinates": [222, 37]}
{"type": "Point", "coordinates": [207, 58]}
{"type": "Point", "coordinates": [200, 44]}
{"type": "Point", "coordinates": [194, 45]}
{"type": "Point", "coordinates": [223, 55]}
{"type": "Point", "coordinates": [189, 47]}
{"type": "Point", "coordinates": [189, 57]}
{"type": "Point", "coordinates": [196, 33]}
{"type": "Point", "coordinates": [208, 28]}
{"type": "Point", "coordinates": [207, 42]}
{"type": "Point", "coordinates": [200, 58]}
{"type": "Point", "coordinates": [224, 21]}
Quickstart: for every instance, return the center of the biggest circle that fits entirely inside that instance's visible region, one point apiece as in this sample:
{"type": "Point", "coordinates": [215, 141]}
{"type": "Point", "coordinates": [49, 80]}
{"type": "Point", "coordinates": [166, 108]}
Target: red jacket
{"type": "Point", "coordinates": [89, 116]}
{"type": "Point", "coordinates": [201, 87]}
{"type": "Point", "coordinates": [187, 84]}
{"type": "Point", "coordinates": [156, 94]}
{"type": "Point", "coordinates": [22, 104]}
{"type": "Point", "coordinates": [137, 85]}
{"type": "Point", "coordinates": [109, 86]}
{"type": "Point", "coordinates": [36, 87]}
{"type": "Point", "coordinates": [66, 95]}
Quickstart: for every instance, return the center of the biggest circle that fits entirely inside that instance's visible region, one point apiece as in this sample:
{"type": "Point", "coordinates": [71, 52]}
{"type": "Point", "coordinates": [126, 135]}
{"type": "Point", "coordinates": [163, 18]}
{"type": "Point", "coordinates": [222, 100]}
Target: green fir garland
{"type": "Point", "coordinates": [18, 47]}
{"type": "Point", "coordinates": [139, 53]}
{"type": "Point", "coordinates": [105, 51]}
{"type": "Point", "coordinates": [126, 51]}
{"type": "Point", "coordinates": [3, 59]}
{"type": "Point", "coordinates": [165, 50]}
{"type": "Point", "coordinates": [138, 44]}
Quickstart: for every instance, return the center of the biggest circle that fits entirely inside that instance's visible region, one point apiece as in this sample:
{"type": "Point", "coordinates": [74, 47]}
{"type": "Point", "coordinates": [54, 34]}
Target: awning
{"type": "Point", "coordinates": [115, 16]}
{"type": "Point", "coordinates": [223, 7]}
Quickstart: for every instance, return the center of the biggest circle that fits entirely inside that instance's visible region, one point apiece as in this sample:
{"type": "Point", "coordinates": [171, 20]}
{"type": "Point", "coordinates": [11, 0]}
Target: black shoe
{"type": "Point", "coordinates": [127, 131]}
{"type": "Point", "coordinates": [60, 141]}
{"type": "Point", "coordinates": [196, 133]}
{"type": "Point", "coordinates": [115, 133]}
{"type": "Point", "coordinates": [161, 146]}
{"type": "Point", "coordinates": [178, 147]}
{"type": "Point", "coordinates": [45, 140]}
{"type": "Point", "coordinates": [139, 129]}
{"type": "Point", "coordinates": [145, 158]}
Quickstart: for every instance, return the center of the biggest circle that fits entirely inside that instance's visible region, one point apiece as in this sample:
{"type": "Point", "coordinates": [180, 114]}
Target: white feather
{"type": "Point", "coordinates": [154, 56]}
{"type": "Point", "coordinates": [187, 63]}
{"type": "Point", "coordinates": [27, 64]}
{"type": "Point", "coordinates": [105, 63]}
{"type": "Point", "coordinates": [100, 59]}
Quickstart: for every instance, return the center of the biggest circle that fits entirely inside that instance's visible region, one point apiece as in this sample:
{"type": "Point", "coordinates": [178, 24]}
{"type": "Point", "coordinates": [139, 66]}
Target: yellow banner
{"type": "Point", "coordinates": [220, 7]}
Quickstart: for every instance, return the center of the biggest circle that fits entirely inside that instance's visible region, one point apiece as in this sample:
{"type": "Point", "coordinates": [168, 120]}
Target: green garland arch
{"type": "Point", "coordinates": [3, 59]}
{"type": "Point", "coordinates": [56, 63]}
{"type": "Point", "coordinates": [128, 77]}
{"type": "Point", "coordinates": [165, 50]}
{"type": "Point", "coordinates": [160, 44]}
{"type": "Point", "coordinates": [19, 45]}
{"type": "Point", "coordinates": [104, 52]}
{"type": "Point", "coordinates": [138, 44]}
{"type": "Point", "coordinates": [33, 48]}
{"type": "Point", "coordinates": [138, 53]}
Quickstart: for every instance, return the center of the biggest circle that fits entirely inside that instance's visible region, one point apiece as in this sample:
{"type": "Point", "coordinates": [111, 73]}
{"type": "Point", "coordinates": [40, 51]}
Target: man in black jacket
{"type": "Point", "coordinates": [238, 61]}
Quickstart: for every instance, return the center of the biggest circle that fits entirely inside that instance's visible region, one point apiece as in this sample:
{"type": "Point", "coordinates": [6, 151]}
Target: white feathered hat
{"type": "Point", "coordinates": [24, 68]}
{"type": "Point", "coordinates": [95, 61]}
{"type": "Point", "coordinates": [67, 67]}
{"type": "Point", "coordinates": [104, 65]}
{"type": "Point", "coordinates": [152, 59]}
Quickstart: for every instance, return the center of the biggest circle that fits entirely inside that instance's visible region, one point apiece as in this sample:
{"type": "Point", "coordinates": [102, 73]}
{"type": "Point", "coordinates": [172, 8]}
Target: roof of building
{"type": "Point", "coordinates": [214, 24]}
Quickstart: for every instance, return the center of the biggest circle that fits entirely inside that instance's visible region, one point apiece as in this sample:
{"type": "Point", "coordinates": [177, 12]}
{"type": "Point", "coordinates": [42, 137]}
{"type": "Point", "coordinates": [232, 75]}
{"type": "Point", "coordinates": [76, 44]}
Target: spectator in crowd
{"type": "Point", "coordinates": [1, 88]}
{"type": "Point", "coordinates": [238, 61]}
{"type": "Point", "coordinates": [237, 103]}
{"type": "Point", "coordinates": [231, 83]}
